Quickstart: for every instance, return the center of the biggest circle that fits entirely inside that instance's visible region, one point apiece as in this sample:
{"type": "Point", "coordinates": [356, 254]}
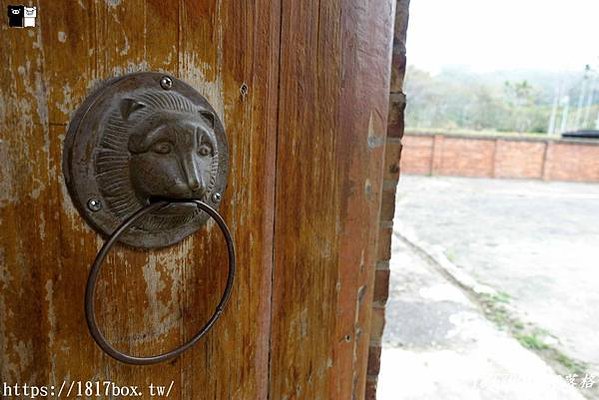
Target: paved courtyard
{"type": "Point", "coordinates": [476, 260]}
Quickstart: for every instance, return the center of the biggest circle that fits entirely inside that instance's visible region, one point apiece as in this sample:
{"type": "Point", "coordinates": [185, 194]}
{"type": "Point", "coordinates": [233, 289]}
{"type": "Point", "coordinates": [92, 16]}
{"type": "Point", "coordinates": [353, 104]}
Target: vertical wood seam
{"type": "Point", "coordinates": [274, 202]}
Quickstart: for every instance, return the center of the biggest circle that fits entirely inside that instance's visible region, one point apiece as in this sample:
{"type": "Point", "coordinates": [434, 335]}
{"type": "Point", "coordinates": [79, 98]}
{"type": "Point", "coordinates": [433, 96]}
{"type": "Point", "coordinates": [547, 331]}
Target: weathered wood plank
{"type": "Point", "coordinates": [26, 207]}
{"type": "Point", "coordinates": [243, 37]}
{"type": "Point", "coordinates": [147, 303]}
{"type": "Point", "coordinates": [307, 202]}
{"type": "Point", "coordinates": [367, 38]}
{"type": "Point", "coordinates": [70, 62]}
{"type": "Point", "coordinates": [333, 103]}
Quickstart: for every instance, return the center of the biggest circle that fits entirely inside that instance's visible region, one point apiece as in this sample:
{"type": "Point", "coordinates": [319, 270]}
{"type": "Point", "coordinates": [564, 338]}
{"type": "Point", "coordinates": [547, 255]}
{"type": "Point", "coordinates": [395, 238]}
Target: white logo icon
{"type": "Point", "coordinates": [30, 13]}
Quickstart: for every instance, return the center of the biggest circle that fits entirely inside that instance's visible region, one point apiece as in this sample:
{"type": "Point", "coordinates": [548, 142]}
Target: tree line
{"type": "Point", "coordinates": [504, 101]}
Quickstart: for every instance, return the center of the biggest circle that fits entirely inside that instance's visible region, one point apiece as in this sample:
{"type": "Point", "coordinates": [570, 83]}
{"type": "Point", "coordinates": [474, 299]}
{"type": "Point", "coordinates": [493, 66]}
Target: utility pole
{"type": "Point", "coordinates": [552, 120]}
{"type": "Point", "coordinates": [581, 97]}
{"type": "Point", "coordinates": [566, 103]}
{"type": "Point", "coordinates": [590, 99]}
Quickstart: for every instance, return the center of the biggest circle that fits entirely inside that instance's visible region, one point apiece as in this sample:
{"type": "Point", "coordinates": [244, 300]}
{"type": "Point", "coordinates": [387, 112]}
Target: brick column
{"type": "Point", "coordinates": [393, 147]}
{"type": "Point", "coordinates": [437, 155]}
{"type": "Point", "coordinates": [547, 160]}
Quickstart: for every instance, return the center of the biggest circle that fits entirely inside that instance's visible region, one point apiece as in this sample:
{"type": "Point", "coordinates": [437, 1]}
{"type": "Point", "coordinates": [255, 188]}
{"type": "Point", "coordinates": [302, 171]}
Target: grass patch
{"type": "Point", "coordinates": [531, 341]}
{"type": "Point", "coordinates": [501, 297]}
{"type": "Point", "coordinates": [450, 256]}
{"type": "Point", "coordinates": [495, 308]}
{"type": "Point", "coordinates": [573, 366]}
{"type": "Point", "coordinates": [518, 325]}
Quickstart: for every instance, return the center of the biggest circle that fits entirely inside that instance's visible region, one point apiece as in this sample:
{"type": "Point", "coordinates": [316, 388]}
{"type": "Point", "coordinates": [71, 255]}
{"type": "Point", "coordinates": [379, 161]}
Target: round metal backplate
{"type": "Point", "coordinates": [143, 136]}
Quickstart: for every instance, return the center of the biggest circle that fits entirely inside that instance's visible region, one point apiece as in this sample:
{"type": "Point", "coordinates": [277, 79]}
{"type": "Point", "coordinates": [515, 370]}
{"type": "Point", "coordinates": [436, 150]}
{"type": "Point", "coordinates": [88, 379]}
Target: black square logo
{"type": "Point", "coordinates": [16, 16]}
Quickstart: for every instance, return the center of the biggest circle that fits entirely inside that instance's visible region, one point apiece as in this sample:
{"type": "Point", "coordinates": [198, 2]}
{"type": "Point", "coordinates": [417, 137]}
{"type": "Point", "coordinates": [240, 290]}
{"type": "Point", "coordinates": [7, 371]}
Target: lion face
{"type": "Point", "coordinates": [157, 145]}
{"type": "Point", "coordinates": [172, 155]}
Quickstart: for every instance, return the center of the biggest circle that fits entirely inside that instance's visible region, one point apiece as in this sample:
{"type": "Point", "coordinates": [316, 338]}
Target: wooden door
{"type": "Point", "coordinates": [302, 89]}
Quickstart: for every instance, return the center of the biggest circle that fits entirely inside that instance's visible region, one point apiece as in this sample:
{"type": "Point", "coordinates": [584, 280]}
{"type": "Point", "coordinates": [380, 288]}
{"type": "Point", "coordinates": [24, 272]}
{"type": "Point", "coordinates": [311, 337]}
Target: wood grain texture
{"type": "Point", "coordinates": [306, 146]}
{"type": "Point", "coordinates": [333, 105]}
{"type": "Point", "coordinates": [147, 302]}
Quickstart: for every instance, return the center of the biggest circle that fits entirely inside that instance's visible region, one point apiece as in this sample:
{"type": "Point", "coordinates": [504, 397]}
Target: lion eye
{"type": "Point", "coordinates": [205, 150]}
{"type": "Point", "coordinates": [162, 147]}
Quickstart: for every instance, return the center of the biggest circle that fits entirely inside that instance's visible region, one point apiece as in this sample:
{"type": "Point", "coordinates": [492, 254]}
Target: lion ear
{"type": "Point", "coordinates": [208, 116]}
{"type": "Point", "coordinates": [129, 106]}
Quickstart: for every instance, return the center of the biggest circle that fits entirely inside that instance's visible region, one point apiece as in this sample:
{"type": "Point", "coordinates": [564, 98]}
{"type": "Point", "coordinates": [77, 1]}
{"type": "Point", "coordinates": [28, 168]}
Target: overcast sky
{"type": "Point", "coordinates": [488, 35]}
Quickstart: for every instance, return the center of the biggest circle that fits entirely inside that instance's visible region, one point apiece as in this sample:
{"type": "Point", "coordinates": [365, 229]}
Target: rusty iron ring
{"type": "Point", "coordinates": [90, 289]}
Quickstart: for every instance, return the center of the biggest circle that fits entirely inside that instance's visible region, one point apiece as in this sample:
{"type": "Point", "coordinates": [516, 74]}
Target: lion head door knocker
{"type": "Point", "coordinates": [145, 162]}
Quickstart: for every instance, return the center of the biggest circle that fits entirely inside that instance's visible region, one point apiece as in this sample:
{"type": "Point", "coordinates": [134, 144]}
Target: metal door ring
{"type": "Point", "coordinates": [90, 289]}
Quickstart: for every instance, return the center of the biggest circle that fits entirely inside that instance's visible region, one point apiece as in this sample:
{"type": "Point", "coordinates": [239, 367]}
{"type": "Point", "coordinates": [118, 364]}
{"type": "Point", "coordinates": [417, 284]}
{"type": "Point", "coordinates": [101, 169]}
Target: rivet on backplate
{"type": "Point", "coordinates": [166, 83]}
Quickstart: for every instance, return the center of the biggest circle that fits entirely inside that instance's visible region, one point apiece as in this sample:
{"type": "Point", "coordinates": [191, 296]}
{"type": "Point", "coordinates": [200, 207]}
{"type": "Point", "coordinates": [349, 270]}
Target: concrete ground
{"type": "Point", "coordinates": [533, 246]}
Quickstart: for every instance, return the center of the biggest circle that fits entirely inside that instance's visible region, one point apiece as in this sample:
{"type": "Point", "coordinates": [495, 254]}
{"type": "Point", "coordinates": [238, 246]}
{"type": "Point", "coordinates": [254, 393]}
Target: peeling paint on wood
{"type": "Point", "coordinates": [150, 302]}
{"type": "Point", "coordinates": [302, 145]}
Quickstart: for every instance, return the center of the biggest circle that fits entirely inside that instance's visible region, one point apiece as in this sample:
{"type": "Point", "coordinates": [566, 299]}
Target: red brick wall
{"type": "Point", "coordinates": [501, 157]}
{"type": "Point", "coordinates": [572, 162]}
{"type": "Point", "coordinates": [418, 160]}
{"type": "Point", "coordinates": [519, 159]}
{"type": "Point", "coordinates": [464, 157]}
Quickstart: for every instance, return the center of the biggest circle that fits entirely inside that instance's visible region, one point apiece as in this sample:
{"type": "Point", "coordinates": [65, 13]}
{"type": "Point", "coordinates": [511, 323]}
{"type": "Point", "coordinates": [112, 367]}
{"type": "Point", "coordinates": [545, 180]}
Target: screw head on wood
{"type": "Point", "coordinates": [166, 82]}
{"type": "Point", "coordinates": [216, 197]}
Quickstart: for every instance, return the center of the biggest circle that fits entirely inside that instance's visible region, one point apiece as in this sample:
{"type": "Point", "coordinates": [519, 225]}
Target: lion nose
{"type": "Point", "coordinates": [194, 184]}
{"type": "Point", "coordinates": [194, 178]}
